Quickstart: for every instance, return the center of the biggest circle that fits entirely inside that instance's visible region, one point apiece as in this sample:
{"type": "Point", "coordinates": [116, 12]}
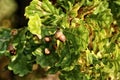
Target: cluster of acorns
{"type": "Point", "coordinates": [10, 47]}
{"type": "Point", "coordinates": [58, 36]}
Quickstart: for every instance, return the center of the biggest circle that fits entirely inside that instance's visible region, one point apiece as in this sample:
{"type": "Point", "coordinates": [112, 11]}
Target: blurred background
{"type": "Point", "coordinates": [12, 13]}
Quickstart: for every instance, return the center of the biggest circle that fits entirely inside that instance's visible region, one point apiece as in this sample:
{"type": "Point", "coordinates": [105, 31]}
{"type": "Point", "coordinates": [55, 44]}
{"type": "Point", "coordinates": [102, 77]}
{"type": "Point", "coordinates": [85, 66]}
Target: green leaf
{"type": "Point", "coordinates": [53, 70]}
{"type": "Point", "coordinates": [90, 2]}
{"type": "Point", "coordinates": [47, 6]}
{"type": "Point", "coordinates": [66, 4]}
{"type": "Point", "coordinates": [110, 47]}
{"type": "Point", "coordinates": [75, 74]}
{"type": "Point", "coordinates": [47, 60]}
{"type": "Point", "coordinates": [34, 25]}
{"type": "Point", "coordinates": [32, 9]}
{"type": "Point", "coordinates": [67, 63]}
{"type": "Point", "coordinates": [89, 57]}
{"type": "Point", "coordinates": [20, 65]}
{"type": "Point", "coordinates": [117, 2]}
{"type": "Point", "coordinates": [3, 48]}
{"type": "Point", "coordinates": [4, 40]}
{"type": "Point", "coordinates": [74, 11]}
{"type": "Point", "coordinates": [104, 19]}
{"type": "Point", "coordinates": [115, 10]}
{"type": "Point", "coordinates": [102, 6]}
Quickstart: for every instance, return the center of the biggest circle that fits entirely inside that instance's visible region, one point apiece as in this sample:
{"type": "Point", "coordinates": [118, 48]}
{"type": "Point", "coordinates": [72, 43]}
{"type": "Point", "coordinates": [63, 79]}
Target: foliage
{"type": "Point", "coordinates": [87, 48]}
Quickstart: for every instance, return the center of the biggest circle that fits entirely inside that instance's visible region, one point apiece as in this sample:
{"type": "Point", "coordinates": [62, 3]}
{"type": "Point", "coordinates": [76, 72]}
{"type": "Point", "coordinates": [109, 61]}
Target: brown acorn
{"type": "Point", "coordinates": [47, 39]}
{"type": "Point", "coordinates": [11, 49]}
{"type": "Point", "coordinates": [58, 34]}
{"type": "Point", "coordinates": [13, 52]}
{"type": "Point", "coordinates": [62, 38]}
{"type": "Point", "coordinates": [14, 32]}
{"type": "Point", "coordinates": [47, 51]}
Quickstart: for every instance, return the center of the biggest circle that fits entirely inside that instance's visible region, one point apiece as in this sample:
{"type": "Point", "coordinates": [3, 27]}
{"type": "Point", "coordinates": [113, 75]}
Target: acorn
{"type": "Point", "coordinates": [11, 49]}
{"type": "Point", "coordinates": [13, 52]}
{"type": "Point", "coordinates": [59, 35]}
{"type": "Point", "coordinates": [14, 32]}
{"type": "Point", "coordinates": [62, 38]}
{"type": "Point", "coordinates": [47, 39]}
{"type": "Point", "coordinates": [47, 51]}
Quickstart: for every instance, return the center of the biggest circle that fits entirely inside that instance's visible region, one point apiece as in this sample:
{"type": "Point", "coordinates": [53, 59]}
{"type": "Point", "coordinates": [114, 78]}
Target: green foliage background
{"type": "Point", "coordinates": [92, 47]}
